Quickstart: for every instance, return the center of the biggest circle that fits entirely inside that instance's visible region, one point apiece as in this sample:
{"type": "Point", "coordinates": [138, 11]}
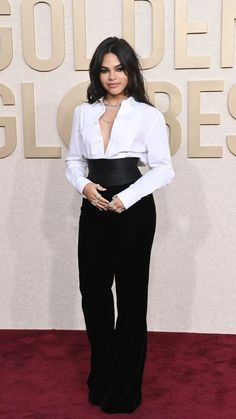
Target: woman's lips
{"type": "Point", "coordinates": [113, 85]}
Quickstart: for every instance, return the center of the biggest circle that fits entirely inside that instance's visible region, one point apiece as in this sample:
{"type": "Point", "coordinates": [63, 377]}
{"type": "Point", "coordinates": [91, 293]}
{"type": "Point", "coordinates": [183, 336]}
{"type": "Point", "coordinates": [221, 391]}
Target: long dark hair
{"type": "Point", "coordinates": [129, 61]}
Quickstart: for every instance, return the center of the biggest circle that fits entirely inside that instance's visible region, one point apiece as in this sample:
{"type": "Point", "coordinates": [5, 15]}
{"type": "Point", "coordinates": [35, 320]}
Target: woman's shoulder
{"type": "Point", "coordinates": [83, 107]}
{"type": "Point", "coordinates": [148, 111]}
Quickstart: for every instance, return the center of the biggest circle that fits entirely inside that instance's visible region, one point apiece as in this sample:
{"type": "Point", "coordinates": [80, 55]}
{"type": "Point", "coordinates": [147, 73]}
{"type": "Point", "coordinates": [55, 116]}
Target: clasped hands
{"type": "Point", "coordinates": [91, 192]}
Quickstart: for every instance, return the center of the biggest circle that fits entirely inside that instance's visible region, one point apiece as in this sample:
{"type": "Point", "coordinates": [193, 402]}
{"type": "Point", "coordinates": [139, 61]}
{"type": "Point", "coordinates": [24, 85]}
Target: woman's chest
{"type": "Point", "coordinates": [121, 135]}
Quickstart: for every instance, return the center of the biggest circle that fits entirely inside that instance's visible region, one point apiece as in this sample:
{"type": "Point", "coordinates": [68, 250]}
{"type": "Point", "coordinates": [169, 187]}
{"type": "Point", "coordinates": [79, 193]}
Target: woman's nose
{"type": "Point", "coordinates": [112, 75]}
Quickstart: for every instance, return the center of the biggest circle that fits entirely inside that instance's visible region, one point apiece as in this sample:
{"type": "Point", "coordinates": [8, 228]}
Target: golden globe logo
{"type": "Point", "coordinates": [81, 62]}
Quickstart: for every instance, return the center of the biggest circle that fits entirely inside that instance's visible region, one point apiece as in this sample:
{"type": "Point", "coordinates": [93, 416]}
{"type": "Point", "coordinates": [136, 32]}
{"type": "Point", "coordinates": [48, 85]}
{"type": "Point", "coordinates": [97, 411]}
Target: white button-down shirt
{"type": "Point", "coordinates": [139, 130]}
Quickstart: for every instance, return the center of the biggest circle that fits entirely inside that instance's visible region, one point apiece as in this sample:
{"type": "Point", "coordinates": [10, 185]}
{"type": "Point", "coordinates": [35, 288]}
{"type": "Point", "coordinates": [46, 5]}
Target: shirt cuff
{"type": "Point", "coordinates": [128, 197]}
{"type": "Point", "coordinates": [82, 182]}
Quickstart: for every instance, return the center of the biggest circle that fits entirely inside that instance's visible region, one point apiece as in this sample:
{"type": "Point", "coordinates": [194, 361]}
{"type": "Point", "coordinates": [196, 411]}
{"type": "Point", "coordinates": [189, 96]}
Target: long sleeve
{"type": "Point", "coordinates": [161, 171]}
{"type": "Point", "coordinates": [76, 164]}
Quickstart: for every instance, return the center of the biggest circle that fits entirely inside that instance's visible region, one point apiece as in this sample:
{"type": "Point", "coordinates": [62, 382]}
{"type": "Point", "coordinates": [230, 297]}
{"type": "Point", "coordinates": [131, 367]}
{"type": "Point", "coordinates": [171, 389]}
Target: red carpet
{"type": "Point", "coordinates": [187, 376]}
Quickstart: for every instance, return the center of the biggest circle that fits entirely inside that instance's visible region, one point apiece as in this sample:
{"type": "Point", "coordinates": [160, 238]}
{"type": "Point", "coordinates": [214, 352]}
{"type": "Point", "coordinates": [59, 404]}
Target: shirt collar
{"type": "Point", "coordinates": [129, 101]}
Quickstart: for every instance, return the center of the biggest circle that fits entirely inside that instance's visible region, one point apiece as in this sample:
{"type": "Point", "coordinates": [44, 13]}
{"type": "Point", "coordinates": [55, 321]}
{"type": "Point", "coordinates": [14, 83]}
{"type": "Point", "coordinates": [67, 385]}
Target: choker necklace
{"type": "Point", "coordinates": [111, 106]}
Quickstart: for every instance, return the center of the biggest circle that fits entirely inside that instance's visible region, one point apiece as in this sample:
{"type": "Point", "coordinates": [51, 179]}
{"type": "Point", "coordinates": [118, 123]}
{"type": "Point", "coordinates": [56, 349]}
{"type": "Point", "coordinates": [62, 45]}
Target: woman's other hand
{"type": "Point", "coordinates": [116, 205]}
{"type": "Point", "coordinates": [91, 192]}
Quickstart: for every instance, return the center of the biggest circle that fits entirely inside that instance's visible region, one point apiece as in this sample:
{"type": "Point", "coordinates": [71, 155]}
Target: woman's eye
{"type": "Point", "coordinates": [103, 70]}
{"type": "Point", "coordinates": [120, 69]}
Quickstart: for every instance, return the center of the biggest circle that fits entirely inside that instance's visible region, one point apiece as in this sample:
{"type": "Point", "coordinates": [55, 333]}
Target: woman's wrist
{"type": "Point", "coordinates": [116, 204]}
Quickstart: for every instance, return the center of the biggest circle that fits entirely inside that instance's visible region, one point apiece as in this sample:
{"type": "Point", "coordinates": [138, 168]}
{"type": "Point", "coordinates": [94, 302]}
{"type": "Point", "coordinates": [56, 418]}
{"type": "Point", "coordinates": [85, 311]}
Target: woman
{"type": "Point", "coordinates": [112, 133]}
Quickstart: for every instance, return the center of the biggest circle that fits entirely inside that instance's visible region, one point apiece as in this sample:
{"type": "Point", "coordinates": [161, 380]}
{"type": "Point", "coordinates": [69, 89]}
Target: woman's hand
{"type": "Point", "coordinates": [116, 205]}
{"type": "Point", "coordinates": [90, 191]}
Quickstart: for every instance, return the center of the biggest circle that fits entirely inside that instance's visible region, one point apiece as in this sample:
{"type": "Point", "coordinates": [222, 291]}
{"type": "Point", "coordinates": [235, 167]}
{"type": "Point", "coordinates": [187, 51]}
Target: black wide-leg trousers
{"type": "Point", "coordinates": [116, 247]}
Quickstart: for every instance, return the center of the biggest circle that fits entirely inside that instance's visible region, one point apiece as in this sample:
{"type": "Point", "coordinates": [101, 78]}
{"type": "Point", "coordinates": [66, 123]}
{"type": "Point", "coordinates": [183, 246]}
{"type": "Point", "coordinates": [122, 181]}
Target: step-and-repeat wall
{"type": "Point", "coordinates": [187, 51]}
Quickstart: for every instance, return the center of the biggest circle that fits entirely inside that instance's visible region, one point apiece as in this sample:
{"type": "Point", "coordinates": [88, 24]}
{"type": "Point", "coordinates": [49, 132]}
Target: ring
{"type": "Point", "coordinates": [94, 201]}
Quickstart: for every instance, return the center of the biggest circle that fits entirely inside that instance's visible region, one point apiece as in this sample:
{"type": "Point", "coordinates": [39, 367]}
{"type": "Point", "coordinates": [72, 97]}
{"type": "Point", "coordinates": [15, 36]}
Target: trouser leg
{"type": "Point", "coordinates": [134, 233]}
{"type": "Point", "coordinates": [96, 278]}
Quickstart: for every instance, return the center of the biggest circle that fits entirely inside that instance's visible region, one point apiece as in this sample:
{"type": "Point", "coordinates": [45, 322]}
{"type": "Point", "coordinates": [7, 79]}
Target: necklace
{"type": "Point", "coordinates": [112, 106]}
{"type": "Point", "coordinates": [108, 121]}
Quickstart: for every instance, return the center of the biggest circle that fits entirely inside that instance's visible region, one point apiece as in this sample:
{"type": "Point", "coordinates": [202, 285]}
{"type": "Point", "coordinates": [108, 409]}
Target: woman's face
{"type": "Point", "coordinates": [112, 75]}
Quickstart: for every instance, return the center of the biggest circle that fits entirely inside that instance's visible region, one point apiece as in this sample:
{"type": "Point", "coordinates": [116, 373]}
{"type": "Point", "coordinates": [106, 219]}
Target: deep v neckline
{"type": "Point", "coordinates": [103, 125]}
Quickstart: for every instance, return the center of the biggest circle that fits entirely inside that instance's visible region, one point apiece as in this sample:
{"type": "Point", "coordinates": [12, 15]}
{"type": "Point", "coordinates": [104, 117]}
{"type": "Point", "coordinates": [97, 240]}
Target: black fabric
{"type": "Point", "coordinates": [113, 245]}
{"type": "Point", "coordinates": [113, 172]}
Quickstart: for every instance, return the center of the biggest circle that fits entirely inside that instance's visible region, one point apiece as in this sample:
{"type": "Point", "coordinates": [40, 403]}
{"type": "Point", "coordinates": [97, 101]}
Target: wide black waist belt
{"type": "Point", "coordinates": [112, 172]}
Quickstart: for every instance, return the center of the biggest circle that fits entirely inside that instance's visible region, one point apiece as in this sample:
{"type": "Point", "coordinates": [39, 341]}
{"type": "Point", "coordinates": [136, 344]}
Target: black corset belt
{"type": "Point", "coordinates": [112, 172]}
